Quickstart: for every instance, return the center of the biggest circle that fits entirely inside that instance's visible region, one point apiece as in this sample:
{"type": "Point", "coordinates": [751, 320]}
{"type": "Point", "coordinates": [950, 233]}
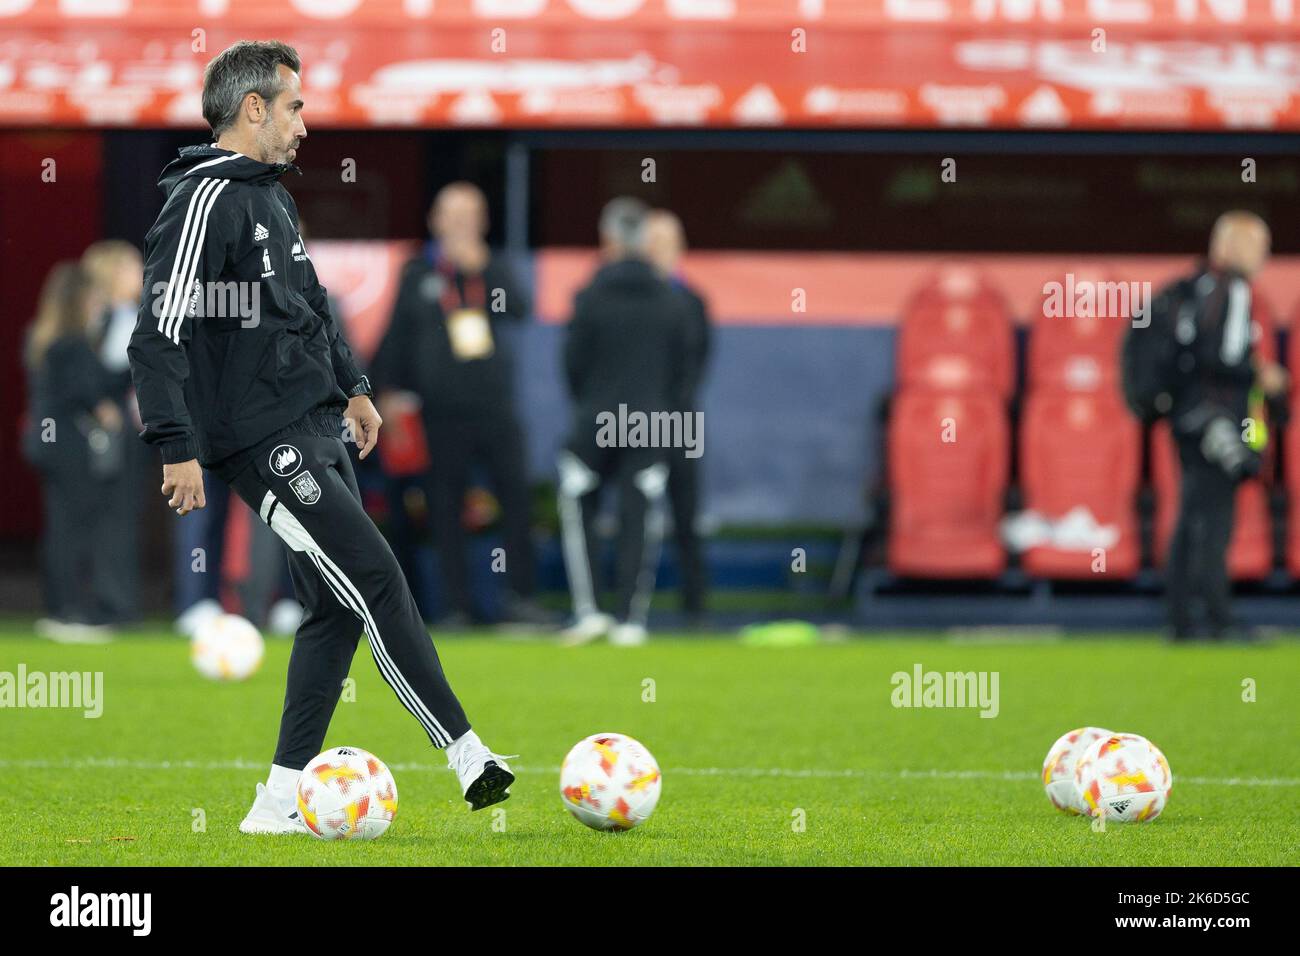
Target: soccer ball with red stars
{"type": "Point", "coordinates": [610, 782]}
{"type": "Point", "coordinates": [1124, 777]}
{"type": "Point", "coordinates": [347, 794]}
{"type": "Point", "coordinates": [1058, 768]}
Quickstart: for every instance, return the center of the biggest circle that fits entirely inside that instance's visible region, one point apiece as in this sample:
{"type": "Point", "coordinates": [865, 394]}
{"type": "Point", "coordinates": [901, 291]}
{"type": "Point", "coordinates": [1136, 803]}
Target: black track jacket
{"type": "Point", "coordinates": [212, 375]}
{"type": "Point", "coordinates": [628, 343]}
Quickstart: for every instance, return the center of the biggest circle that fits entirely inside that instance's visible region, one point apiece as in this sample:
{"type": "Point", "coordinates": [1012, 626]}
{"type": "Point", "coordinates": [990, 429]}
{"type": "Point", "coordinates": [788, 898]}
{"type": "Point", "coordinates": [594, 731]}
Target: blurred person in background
{"type": "Point", "coordinates": [117, 271]}
{"type": "Point", "coordinates": [198, 553]}
{"type": "Point", "coordinates": [74, 439]}
{"type": "Point", "coordinates": [444, 345]}
{"type": "Point", "coordinates": [626, 352]}
{"type": "Point", "coordinates": [665, 246]}
{"type": "Point", "coordinates": [197, 545]}
{"type": "Point", "coordinates": [1208, 314]}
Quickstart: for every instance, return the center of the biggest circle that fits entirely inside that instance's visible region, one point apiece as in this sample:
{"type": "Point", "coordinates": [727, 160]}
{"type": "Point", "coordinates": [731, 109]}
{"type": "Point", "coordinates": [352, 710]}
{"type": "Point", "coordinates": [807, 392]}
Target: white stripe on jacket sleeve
{"type": "Point", "coordinates": [189, 251]}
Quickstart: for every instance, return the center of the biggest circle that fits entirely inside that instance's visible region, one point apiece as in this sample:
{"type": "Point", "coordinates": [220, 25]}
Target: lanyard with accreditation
{"type": "Point", "coordinates": [468, 328]}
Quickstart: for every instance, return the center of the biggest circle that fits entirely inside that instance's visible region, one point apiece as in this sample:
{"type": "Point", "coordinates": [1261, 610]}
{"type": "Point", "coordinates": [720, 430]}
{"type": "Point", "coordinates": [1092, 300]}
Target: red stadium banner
{"type": "Point", "coordinates": [1086, 64]}
{"type": "Point", "coordinates": [1265, 16]}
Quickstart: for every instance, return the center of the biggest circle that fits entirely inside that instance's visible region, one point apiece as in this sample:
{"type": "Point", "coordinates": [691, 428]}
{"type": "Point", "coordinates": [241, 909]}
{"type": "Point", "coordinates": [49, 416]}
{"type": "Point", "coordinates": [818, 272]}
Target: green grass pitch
{"type": "Point", "coordinates": [770, 756]}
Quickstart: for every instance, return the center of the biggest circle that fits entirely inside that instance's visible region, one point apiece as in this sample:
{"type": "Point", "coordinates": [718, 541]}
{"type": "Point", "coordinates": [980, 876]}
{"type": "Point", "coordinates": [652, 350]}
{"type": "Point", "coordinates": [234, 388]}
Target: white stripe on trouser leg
{"type": "Point", "coordinates": [387, 666]}
{"type": "Point", "coordinates": [289, 528]}
{"type": "Point", "coordinates": [350, 598]}
{"type": "Point", "coordinates": [576, 480]}
{"type": "Point", "coordinates": [651, 482]}
{"type": "Point", "coordinates": [394, 674]}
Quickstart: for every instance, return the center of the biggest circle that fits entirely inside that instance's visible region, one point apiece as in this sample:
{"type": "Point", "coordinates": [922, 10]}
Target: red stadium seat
{"type": "Point", "coordinates": [1078, 352]}
{"type": "Point", "coordinates": [948, 458]}
{"type": "Point", "coordinates": [956, 335]}
{"type": "Point", "coordinates": [1080, 449]}
{"type": "Point", "coordinates": [1291, 439]}
{"type": "Point", "coordinates": [1293, 346]}
{"type": "Point", "coordinates": [1264, 328]}
{"type": "Point", "coordinates": [1250, 554]}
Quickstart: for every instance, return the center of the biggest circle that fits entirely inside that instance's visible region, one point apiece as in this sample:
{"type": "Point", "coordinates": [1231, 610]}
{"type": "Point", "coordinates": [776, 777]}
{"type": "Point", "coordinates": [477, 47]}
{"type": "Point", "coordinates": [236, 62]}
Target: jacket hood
{"type": "Point", "coordinates": [212, 162]}
{"type": "Point", "coordinates": [1224, 273]}
{"type": "Point", "coordinates": [627, 273]}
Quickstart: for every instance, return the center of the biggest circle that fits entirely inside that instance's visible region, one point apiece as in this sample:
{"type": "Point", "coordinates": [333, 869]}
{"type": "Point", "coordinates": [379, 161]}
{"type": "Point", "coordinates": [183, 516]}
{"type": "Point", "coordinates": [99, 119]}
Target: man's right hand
{"type": "Point", "coordinates": [468, 253]}
{"type": "Point", "coordinates": [1272, 379]}
{"type": "Point", "coordinates": [184, 482]}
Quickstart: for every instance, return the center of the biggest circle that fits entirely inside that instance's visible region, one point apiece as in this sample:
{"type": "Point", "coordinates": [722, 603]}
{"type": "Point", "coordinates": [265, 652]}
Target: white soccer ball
{"type": "Point", "coordinates": [1125, 777]}
{"type": "Point", "coordinates": [610, 782]}
{"type": "Point", "coordinates": [347, 794]}
{"type": "Point", "coordinates": [1058, 768]}
{"type": "Point", "coordinates": [227, 647]}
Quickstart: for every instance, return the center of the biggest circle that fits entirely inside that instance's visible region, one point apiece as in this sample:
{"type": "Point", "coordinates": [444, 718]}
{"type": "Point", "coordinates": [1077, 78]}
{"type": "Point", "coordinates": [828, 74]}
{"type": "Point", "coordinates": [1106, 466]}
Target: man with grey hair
{"type": "Point", "coordinates": [1207, 319]}
{"type": "Point", "coordinates": [240, 368]}
{"type": "Point", "coordinates": [625, 359]}
{"type": "Point", "coordinates": [623, 227]}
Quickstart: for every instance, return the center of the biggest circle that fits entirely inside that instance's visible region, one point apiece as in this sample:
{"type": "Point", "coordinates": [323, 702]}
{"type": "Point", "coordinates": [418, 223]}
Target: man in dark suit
{"type": "Point", "coordinates": [665, 246]}
{"type": "Point", "coordinates": [625, 361]}
{"type": "Point", "coordinates": [444, 344]}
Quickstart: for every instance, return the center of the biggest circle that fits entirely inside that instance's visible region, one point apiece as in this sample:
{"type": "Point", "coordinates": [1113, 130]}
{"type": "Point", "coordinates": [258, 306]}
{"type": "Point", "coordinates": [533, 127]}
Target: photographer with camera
{"type": "Point", "coordinates": [1196, 363]}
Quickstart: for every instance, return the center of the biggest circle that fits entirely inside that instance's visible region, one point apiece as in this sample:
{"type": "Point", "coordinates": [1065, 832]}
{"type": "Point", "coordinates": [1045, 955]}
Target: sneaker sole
{"type": "Point", "coordinates": [269, 830]}
{"type": "Point", "coordinates": [491, 787]}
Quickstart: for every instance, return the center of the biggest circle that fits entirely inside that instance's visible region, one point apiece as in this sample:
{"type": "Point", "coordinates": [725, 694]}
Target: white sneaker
{"type": "Point", "coordinates": [628, 635]}
{"type": "Point", "coordinates": [273, 815]}
{"type": "Point", "coordinates": [71, 632]}
{"type": "Point", "coordinates": [588, 628]}
{"type": "Point", "coordinates": [485, 777]}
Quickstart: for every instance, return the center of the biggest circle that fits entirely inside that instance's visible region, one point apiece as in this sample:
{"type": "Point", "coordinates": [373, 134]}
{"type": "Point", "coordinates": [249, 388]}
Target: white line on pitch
{"type": "Point", "coordinates": [118, 763]}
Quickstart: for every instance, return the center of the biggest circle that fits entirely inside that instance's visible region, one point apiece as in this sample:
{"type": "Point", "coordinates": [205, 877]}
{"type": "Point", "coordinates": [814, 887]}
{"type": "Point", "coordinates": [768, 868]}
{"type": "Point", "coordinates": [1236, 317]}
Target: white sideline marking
{"type": "Point", "coordinates": [119, 763]}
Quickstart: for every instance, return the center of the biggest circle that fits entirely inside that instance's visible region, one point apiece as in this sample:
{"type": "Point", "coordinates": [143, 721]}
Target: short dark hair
{"type": "Point", "coordinates": [250, 66]}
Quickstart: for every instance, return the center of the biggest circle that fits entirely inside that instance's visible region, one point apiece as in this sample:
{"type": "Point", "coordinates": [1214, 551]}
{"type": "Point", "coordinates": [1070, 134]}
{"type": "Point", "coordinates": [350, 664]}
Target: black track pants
{"type": "Point", "coordinates": [1198, 553]}
{"type": "Point", "coordinates": [640, 475]}
{"type": "Point", "coordinates": [348, 580]}
{"type": "Point", "coordinates": [684, 498]}
{"type": "Point", "coordinates": [498, 443]}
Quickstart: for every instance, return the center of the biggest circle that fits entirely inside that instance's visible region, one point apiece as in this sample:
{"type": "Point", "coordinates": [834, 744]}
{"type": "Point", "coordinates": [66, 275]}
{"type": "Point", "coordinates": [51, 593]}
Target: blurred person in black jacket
{"type": "Point", "coordinates": [116, 268]}
{"type": "Point", "coordinates": [74, 439]}
{"type": "Point", "coordinates": [444, 344]}
{"type": "Point", "coordinates": [1216, 368]}
{"type": "Point", "coordinates": [625, 359]}
{"type": "Point", "coordinates": [665, 246]}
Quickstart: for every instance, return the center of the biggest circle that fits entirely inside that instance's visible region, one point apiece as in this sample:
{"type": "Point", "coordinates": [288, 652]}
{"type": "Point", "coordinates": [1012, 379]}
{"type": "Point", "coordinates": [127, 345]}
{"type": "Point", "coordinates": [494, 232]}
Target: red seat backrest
{"type": "Point", "coordinates": [956, 335]}
{"type": "Point", "coordinates": [1080, 448]}
{"type": "Point", "coordinates": [1264, 331]}
{"type": "Point", "coordinates": [1074, 341]}
{"type": "Point", "coordinates": [947, 461]}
